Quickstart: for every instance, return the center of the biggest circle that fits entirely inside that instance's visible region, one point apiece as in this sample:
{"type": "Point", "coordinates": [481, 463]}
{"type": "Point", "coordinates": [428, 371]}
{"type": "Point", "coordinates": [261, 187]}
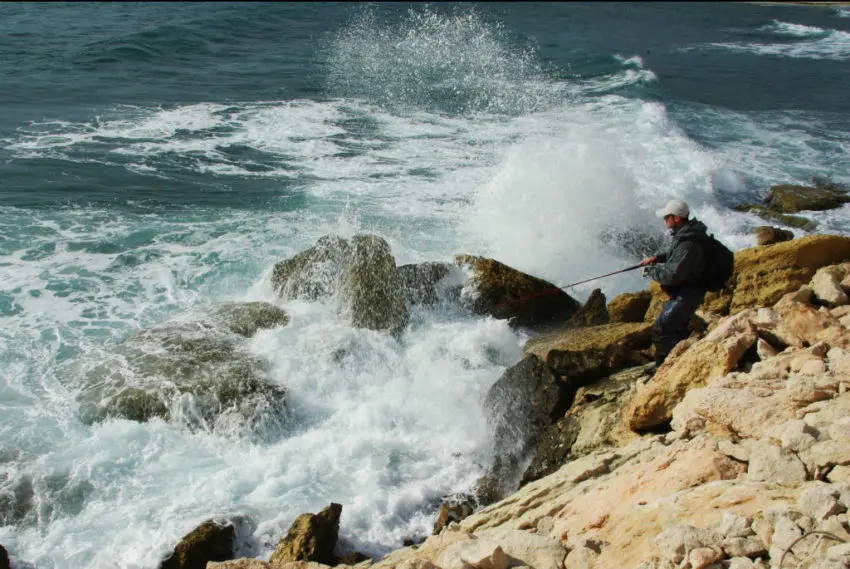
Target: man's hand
{"type": "Point", "coordinates": [648, 261]}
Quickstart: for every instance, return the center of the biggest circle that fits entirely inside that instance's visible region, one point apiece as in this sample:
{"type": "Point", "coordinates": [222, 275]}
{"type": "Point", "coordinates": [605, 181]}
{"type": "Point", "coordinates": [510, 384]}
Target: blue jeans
{"type": "Point", "coordinates": [672, 324]}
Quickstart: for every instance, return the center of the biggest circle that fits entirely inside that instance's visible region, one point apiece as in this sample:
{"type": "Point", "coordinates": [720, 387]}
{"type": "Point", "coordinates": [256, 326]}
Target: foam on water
{"type": "Point", "coordinates": [438, 136]}
{"type": "Point", "coordinates": [810, 42]}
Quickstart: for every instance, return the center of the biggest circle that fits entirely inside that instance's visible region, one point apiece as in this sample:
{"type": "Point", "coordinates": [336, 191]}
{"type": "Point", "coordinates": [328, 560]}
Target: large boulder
{"type": "Point", "coordinates": [370, 291]}
{"type": "Point", "coordinates": [507, 294]}
{"type": "Point", "coordinates": [767, 235]}
{"type": "Point", "coordinates": [714, 356]}
{"type": "Point", "coordinates": [594, 312]}
{"type": "Point", "coordinates": [358, 275]}
{"type": "Point", "coordinates": [312, 537]}
{"type": "Point", "coordinates": [585, 354]}
{"type": "Point", "coordinates": [796, 221]}
{"type": "Point", "coordinates": [194, 367]}
{"type": "Point", "coordinates": [788, 198]}
{"type": "Point", "coordinates": [210, 541]}
{"type": "Point", "coordinates": [525, 400]}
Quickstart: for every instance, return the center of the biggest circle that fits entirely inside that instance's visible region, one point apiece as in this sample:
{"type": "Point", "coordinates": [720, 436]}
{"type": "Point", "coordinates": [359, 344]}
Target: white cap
{"type": "Point", "coordinates": [674, 207]}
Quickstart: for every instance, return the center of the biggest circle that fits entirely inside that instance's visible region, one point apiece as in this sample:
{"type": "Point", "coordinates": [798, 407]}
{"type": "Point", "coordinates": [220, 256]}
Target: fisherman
{"type": "Point", "coordinates": [679, 270]}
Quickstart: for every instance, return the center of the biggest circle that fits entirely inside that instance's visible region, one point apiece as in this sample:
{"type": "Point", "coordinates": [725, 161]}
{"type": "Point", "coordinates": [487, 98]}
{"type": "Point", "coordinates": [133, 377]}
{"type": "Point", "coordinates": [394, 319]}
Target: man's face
{"type": "Point", "coordinates": [674, 222]}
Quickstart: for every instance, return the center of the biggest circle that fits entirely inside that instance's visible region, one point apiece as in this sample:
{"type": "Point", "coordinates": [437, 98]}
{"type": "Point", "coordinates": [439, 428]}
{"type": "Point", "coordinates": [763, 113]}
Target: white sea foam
{"type": "Point", "coordinates": [812, 42]}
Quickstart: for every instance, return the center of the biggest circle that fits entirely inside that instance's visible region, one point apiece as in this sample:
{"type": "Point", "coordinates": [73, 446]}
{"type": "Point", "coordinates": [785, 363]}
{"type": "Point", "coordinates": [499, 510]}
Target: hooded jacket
{"type": "Point", "coordinates": [682, 263]}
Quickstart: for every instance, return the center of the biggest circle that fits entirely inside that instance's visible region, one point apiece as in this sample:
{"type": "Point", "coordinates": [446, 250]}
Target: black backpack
{"type": "Point", "coordinates": [719, 262]}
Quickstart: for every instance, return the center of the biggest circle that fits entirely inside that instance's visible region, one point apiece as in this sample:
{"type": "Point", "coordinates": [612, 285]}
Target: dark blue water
{"type": "Point", "coordinates": [159, 157]}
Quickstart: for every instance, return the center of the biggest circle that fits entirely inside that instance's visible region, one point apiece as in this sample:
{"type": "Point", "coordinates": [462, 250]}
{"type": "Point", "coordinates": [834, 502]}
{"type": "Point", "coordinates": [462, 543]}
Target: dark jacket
{"type": "Point", "coordinates": [682, 263]}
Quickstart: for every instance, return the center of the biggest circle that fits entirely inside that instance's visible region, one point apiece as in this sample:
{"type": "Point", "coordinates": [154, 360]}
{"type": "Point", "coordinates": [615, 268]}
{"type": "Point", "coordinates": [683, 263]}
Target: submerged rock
{"type": "Point", "coordinates": [359, 275]}
{"type": "Point", "coordinates": [767, 235]}
{"type": "Point", "coordinates": [194, 367]}
{"type": "Point", "coordinates": [312, 537]}
{"type": "Point", "coordinates": [767, 214]}
{"type": "Point", "coordinates": [507, 294]}
{"type": "Point", "coordinates": [210, 541]}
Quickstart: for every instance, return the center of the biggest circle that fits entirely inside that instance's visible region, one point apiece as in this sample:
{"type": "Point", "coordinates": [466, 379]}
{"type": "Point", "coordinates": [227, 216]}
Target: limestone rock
{"type": "Point", "coordinates": [528, 549]}
{"type": "Point", "coordinates": [210, 541]}
{"type": "Point", "coordinates": [310, 538]}
{"type": "Point", "coordinates": [750, 546]}
{"type": "Point", "coordinates": [826, 285]}
{"type": "Point", "coordinates": [839, 475]}
{"type": "Point", "coordinates": [243, 563]}
{"type": "Point", "coordinates": [502, 292]}
{"type": "Point", "coordinates": [453, 509]}
{"type": "Point", "coordinates": [479, 553]}
{"type": "Point", "coordinates": [594, 352]}
{"type": "Point", "coordinates": [767, 235]}
{"type": "Point", "coordinates": [741, 563]}
{"type": "Point", "coordinates": [774, 464]}
{"type": "Point", "coordinates": [629, 307]}
{"type": "Point", "coordinates": [676, 541]}
{"type": "Point", "coordinates": [821, 501]}
{"type": "Point", "coordinates": [713, 356]}
{"type": "Point", "coordinates": [420, 283]}
{"type": "Point", "coordinates": [735, 526]}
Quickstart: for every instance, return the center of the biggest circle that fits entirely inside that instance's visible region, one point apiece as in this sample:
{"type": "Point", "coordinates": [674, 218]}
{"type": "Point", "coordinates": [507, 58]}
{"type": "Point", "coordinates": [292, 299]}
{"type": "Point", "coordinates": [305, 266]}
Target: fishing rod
{"type": "Point", "coordinates": [557, 288]}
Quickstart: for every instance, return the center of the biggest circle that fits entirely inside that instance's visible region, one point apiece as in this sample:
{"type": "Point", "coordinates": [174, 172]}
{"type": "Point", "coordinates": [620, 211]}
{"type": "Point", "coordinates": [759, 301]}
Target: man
{"type": "Point", "coordinates": [679, 271]}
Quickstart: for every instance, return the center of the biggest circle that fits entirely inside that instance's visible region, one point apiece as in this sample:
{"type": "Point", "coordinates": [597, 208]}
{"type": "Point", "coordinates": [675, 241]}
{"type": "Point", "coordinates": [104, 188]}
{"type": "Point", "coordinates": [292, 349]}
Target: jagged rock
{"type": "Point", "coordinates": [312, 537]}
{"type": "Point", "coordinates": [355, 558]}
{"type": "Point", "coordinates": [714, 356]}
{"type": "Point", "coordinates": [480, 553]}
{"type": "Point", "coordinates": [360, 275]}
{"type": "Point", "coordinates": [629, 307]}
{"type": "Point", "coordinates": [750, 546]}
{"type": "Point", "coordinates": [591, 423]}
{"type": "Point", "coordinates": [528, 549]}
{"type": "Point", "coordinates": [520, 405]}
{"type": "Point", "coordinates": [210, 541]}
{"type": "Point", "coordinates": [245, 318]}
{"type": "Point", "coordinates": [735, 526]}
{"type": "Point", "coordinates": [788, 198]}
{"type": "Point", "coordinates": [821, 501]}
{"type": "Point", "coordinates": [771, 463]}
{"type": "Point", "coordinates": [676, 541]}
{"type": "Point", "coordinates": [826, 285]}
{"type": "Point", "coordinates": [594, 312]}
{"type": "Point", "coordinates": [194, 366]}
{"type": "Point", "coordinates": [507, 294]}
{"type": "Point", "coordinates": [767, 235]}
{"type": "Point", "coordinates": [419, 282]}
{"type": "Point", "coordinates": [590, 353]}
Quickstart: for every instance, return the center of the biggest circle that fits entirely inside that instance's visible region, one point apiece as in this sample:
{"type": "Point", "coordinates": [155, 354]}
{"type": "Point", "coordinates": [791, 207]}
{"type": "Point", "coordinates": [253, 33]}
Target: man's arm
{"type": "Point", "coordinates": [683, 265]}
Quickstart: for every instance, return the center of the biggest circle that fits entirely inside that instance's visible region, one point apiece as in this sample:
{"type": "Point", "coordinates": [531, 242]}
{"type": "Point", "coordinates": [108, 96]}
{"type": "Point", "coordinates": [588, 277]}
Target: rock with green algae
{"type": "Point", "coordinates": [211, 541]}
{"type": "Point", "coordinates": [629, 306]}
{"type": "Point", "coordinates": [795, 221]}
{"type": "Point", "coordinates": [590, 353]}
{"type": "Point", "coordinates": [789, 198]}
{"type": "Point", "coordinates": [312, 537]}
{"type": "Point", "coordinates": [508, 294]}
{"type": "Point", "coordinates": [593, 313]}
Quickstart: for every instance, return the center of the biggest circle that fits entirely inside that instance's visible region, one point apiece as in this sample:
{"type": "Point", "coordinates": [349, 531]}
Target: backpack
{"type": "Point", "coordinates": [719, 263]}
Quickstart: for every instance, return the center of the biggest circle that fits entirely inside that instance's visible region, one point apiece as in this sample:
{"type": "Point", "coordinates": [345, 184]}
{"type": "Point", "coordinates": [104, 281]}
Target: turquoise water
{"type": "Point", "coordinates": [156, 158]}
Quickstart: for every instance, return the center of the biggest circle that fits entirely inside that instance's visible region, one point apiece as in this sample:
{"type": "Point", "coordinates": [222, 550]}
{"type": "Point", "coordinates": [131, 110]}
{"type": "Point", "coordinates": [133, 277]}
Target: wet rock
{"type": "Point", "coordinates": [629, 307]}
{"type": "Point", "coordinates": [585, 354]}
{"type": "Point", "coordinates": [210, 541]}
{"type": "Point", "coordinates": [507, 294]}
{"type": "Point", "coordinates": [768, 214]}
{"type": "Point", "coordinates": [359, 275]}
{"type": "Point", "coordinates": [788, 198]}
{"type": "Point", "coordinates": [312, 537]}
{"type": "Point", "coordinates": [420, 282]}
{"type": "Point", "coordinates": [454, 509]}
{"type": "Point", "coordinates": [767, 235]}
{"type": "Point", "coordinates": [370, 292]}
{"type": "Point", "coordinates": [245, 318]}
{"type": "Point", "coordinates": [520, 405]}
{"type": "Point", "coordinates": [188, 368]}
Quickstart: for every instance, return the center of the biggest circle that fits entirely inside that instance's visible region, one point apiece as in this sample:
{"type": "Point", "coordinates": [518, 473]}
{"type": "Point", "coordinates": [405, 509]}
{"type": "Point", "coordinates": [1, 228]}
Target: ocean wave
{"type": "Point", "coordinates": [809, 43]}
{"type": "Point", "coordinates": [794, 30]}
{"type": "Point", "coordinates": [842, 12]}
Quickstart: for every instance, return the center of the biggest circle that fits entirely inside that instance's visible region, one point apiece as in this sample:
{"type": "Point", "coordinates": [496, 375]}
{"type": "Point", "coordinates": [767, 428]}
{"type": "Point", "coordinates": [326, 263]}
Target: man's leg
{"type": "Point", "coordinates": [672, 324]}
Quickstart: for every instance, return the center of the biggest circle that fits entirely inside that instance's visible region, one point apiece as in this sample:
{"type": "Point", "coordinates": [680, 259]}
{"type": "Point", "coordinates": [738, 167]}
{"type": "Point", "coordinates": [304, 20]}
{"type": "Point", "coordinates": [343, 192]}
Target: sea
{"type": "Point", "coordinates": [159, 158]}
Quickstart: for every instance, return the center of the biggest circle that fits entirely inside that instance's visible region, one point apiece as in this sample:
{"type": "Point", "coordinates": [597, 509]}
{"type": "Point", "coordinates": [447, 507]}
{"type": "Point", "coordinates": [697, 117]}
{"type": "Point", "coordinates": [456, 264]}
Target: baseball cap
{"type": "Point", "coordinates": [674, 207]}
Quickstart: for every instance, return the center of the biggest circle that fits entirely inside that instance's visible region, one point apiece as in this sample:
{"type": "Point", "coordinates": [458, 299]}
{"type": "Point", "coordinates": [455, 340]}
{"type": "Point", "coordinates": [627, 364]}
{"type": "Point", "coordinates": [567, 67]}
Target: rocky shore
{"type": "Point", "coordinates": [735, 453]}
